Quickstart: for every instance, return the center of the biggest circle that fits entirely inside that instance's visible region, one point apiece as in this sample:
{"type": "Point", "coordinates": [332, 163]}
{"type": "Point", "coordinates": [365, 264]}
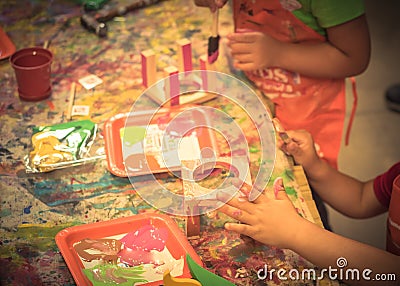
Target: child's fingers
{"type": "Point", "coordinates": [246, 190]}
{"type": "Point", "coordinates": [238, 203]}
{"type": "Point", "coordinates": [279, 189]}
{"type": "Point", "coordinates": [239, 48]}
{"type": "Point", "coordinates": [236, 213]}
{"type": "Point", "coordinates": [245, 66]}
{"type": "Point", "coordinates": [244, 37]}
{"type": "Point", "coordinates": [300, 135]}
{"type": "Point", "coordinates": [292, 148]}
{"type": "Point", "coordinates": [239, 228]}
{"type": "Point", "coordinates": [243, 57]}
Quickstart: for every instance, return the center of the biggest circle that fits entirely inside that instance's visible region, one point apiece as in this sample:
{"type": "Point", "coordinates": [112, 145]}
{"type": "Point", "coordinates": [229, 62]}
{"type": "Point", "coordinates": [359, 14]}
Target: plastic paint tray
{"type": "Point", "coordinates": [177, 243]}
{"type": "Point", "coordinates": [7, 47]}
{"type": "Point", "coordinates": [113, 142]}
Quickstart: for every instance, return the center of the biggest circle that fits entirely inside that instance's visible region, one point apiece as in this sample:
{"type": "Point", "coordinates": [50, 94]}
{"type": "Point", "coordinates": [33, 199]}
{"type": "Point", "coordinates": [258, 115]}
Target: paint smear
{"type": "Point", "coordinates": [109, 274]}
{"type": "Point", "coordinates": [135, 257]}
{"type": "Point", "coordinates": [147, 238]}
{"type": "Point", "coordinates": [98, 249]}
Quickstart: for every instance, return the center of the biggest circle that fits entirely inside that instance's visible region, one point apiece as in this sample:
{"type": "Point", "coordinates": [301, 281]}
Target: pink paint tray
{"type": "Point", "coordinates": [137, 237]}
{"type": "Point", "coordinates": [135, 144]}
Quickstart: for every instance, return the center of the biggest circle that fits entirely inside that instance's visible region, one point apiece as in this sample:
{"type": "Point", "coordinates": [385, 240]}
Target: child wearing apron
{"type": "Point", "coordinates": [298, 54]}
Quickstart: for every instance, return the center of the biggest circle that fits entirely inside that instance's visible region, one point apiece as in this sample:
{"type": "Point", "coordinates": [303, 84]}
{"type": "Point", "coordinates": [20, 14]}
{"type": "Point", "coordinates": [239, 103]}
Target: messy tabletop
{"type": "Point", "coordinates": [103, 70]}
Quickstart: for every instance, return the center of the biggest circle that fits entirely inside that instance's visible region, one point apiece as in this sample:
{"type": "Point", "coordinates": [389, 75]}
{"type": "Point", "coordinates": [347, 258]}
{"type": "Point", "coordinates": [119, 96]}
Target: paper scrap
{"type": "Point", "coordinates": [80, 110]}
{"type": "Point", "coordinates": [90, 81]}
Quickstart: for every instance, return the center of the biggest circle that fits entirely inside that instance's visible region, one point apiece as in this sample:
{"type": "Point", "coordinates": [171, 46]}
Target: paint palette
{"type": "Point", "coordinates": [136, 249]}
{"type": "Point", "coordinates": [156, 141]}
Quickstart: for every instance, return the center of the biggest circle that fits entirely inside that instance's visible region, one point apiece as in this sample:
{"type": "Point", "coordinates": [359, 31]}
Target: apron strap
{"type": "Point", "coordinates": [353, 110]}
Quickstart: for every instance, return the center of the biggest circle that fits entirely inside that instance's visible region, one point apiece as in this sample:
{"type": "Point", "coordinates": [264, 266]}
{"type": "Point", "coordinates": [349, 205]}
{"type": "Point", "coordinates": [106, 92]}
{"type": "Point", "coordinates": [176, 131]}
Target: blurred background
{"type": "Point", "coordinates": [375, 137]}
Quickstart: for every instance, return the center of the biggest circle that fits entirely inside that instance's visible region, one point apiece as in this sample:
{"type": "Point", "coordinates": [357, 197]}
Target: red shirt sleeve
{"type": "Point", "coordinates": [383, 184]}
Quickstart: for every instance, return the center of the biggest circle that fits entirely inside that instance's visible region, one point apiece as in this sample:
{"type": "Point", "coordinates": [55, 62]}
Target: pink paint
{"type": "Point", "coordinates": [174, 88]}
{"type": "Point", "coordinates": [213, 57]}
{"type": "Point", "coordinates": [185, 53]}
{"type": "Point", "coordinates": [237, 213]}
{"type": "Point", "coordinates": [278, 186]}
{"type": "Point", "coordinates": [138, 244]}
{"type": "Point", "coordinates": [187, 57]}
{"type": "Point", "coordinates": [136, 256]}
{"type": "Point", "coordinates": [147, 238]}
{"type": "Point", "coordinates": [145, 80]}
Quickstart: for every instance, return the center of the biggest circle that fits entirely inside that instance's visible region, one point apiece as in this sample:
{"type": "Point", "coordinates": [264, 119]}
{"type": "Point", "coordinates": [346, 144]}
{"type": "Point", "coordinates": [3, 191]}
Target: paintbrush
{"type": "Point", "coordinates": [281, 131]}
{"type": "Point", "coordinates": [213, 41]}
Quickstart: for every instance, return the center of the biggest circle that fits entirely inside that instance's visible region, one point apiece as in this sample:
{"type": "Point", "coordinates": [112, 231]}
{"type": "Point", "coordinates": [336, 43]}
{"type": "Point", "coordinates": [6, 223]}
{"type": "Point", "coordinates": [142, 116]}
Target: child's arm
{"type": "Point", "coordinates": [347, 195]}
{"type": "Point", "coordinates": [345, 53]}
{"type": "Point", "coordinates": [275, 222]}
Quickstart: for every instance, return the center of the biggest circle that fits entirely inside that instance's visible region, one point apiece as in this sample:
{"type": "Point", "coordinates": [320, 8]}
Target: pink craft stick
{"type": "Point", "coordinates": [185, 55]}
{"type": "Point", "coordinates": [172, 86]}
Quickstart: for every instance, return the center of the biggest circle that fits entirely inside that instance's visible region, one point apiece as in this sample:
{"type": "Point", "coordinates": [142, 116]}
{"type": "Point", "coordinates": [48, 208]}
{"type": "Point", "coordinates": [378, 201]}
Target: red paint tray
{"type": "Point", "coordinates": [7, 47]}
{"type": "Point", "coordinates": [145, 163]}
{"type": "Point", "coordinates": [176, 243]}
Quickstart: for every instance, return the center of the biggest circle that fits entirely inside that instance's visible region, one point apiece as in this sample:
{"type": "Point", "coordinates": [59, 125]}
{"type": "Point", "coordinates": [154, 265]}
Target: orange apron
{"type": "Point", "coordinates": [317, 105]}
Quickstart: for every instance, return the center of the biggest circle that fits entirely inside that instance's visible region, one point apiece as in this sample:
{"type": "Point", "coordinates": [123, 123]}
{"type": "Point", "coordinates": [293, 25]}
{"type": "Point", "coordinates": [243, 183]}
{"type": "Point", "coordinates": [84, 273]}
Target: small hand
{"type": "Point", "coordinates": [253, 50]}
{"type": "Point", "coordinates": [302, 148]}
{"type": "Point", "coordinates": [269, 221]}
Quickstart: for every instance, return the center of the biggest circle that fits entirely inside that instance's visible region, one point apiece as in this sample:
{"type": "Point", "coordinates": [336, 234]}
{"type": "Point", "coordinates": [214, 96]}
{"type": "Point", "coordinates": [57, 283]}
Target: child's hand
{"type": "Point", "coordinates": [269, 221]}
{"type": "Point", "coordinates": [253, 50]}
{"type": "Point", "coordinates": [302, 148]}
{"type": "Point", "coordinates": [212, 4]}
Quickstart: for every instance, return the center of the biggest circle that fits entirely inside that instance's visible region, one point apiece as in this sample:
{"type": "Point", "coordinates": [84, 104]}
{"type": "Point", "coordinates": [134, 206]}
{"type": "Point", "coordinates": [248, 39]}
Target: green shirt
{"type": "Point", "coordinates": [322, 14]}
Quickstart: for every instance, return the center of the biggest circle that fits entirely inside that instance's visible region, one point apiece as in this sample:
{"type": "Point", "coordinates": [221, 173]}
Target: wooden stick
{"type": "Point", "coordinates": [184, 55]}
{"type": "Point", "coordinates": [149, 68]}
{"type": "Point", "coordinates": [172, 85]}
{"type": "Point", "coordinates": [46, 44]}
{"type": "Point", "coordinates": [214, 27]}
{"type": "Point", "coordinates": [71, 100]}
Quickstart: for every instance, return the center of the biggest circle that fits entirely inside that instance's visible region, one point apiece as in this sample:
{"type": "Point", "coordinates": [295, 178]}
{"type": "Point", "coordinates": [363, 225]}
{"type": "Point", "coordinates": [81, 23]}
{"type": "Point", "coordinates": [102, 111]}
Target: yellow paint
{"type": "Point", "coordinates": [173, 281]}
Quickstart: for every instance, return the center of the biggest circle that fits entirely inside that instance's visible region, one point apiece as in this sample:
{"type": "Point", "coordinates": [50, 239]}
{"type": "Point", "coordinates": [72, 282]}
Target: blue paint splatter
{"type": "Point", "coordinates": [27, 210]}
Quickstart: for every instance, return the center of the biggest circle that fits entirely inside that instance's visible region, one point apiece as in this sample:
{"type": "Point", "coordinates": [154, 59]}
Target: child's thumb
{"type": "Point", "coordinates": [279, 189]}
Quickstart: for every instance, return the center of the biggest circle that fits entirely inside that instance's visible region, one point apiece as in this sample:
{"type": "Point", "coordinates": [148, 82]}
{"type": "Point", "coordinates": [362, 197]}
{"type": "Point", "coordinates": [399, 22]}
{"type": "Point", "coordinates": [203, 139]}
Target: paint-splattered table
{"type": "Point", "coordinates": [34, 207]}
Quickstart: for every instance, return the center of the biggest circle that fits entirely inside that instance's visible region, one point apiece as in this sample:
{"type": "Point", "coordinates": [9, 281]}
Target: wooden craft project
{"type": "Point", "coordinates": [209, 81]}
{"type": "Point", "coordinates": [148, 67]}
{"type": "Point", "coordinates": [203, 62]}
{"type": "Point", "coordinates": [184, 55]}
{"type": "Point", "coordinates": [195, 171]}
{"type": "Point", "coordinates": [172, 87]}
{"type": "Point", "coordinates": [163, 92]}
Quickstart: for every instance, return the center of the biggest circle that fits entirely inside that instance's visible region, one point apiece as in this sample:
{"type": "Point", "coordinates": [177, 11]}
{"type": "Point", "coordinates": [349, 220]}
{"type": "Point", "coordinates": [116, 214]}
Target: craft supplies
{"type": "Point", "coordinates": [133, 249]}
{"type": "Point", "coordinates": [281, 131]}
{"type": "Point", "coordinates": [7, 47]}
{"type": "Point", "coordinates": [90, 81]}
{"type": "Point", "coordinates": [150, 142]}
{"type": "Point", "coordinates": [213, 40]}
{"type": "Point", "coordinates": [96, 22]}
{"type": "Point", "coordinates": [71, 100]}
{"type": "Point", "coordinates": [32, 67]}
{"type": "Point", "coordinates": [205, 277]}
{"type": "Point", "coordinates": [169, 280]}
{"type": "Point", "coordinates": [61, 145]}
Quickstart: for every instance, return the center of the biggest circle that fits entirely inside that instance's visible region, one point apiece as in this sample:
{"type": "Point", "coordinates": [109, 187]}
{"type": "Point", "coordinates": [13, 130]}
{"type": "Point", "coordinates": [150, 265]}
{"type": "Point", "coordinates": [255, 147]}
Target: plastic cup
{"type": "Point", "coordinates": [32, 68]}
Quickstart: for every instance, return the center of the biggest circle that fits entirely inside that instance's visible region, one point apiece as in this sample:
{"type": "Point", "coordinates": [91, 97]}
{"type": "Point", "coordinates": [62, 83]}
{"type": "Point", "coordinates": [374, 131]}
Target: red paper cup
{"type": "Point", "coordinates": [32, 68]}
